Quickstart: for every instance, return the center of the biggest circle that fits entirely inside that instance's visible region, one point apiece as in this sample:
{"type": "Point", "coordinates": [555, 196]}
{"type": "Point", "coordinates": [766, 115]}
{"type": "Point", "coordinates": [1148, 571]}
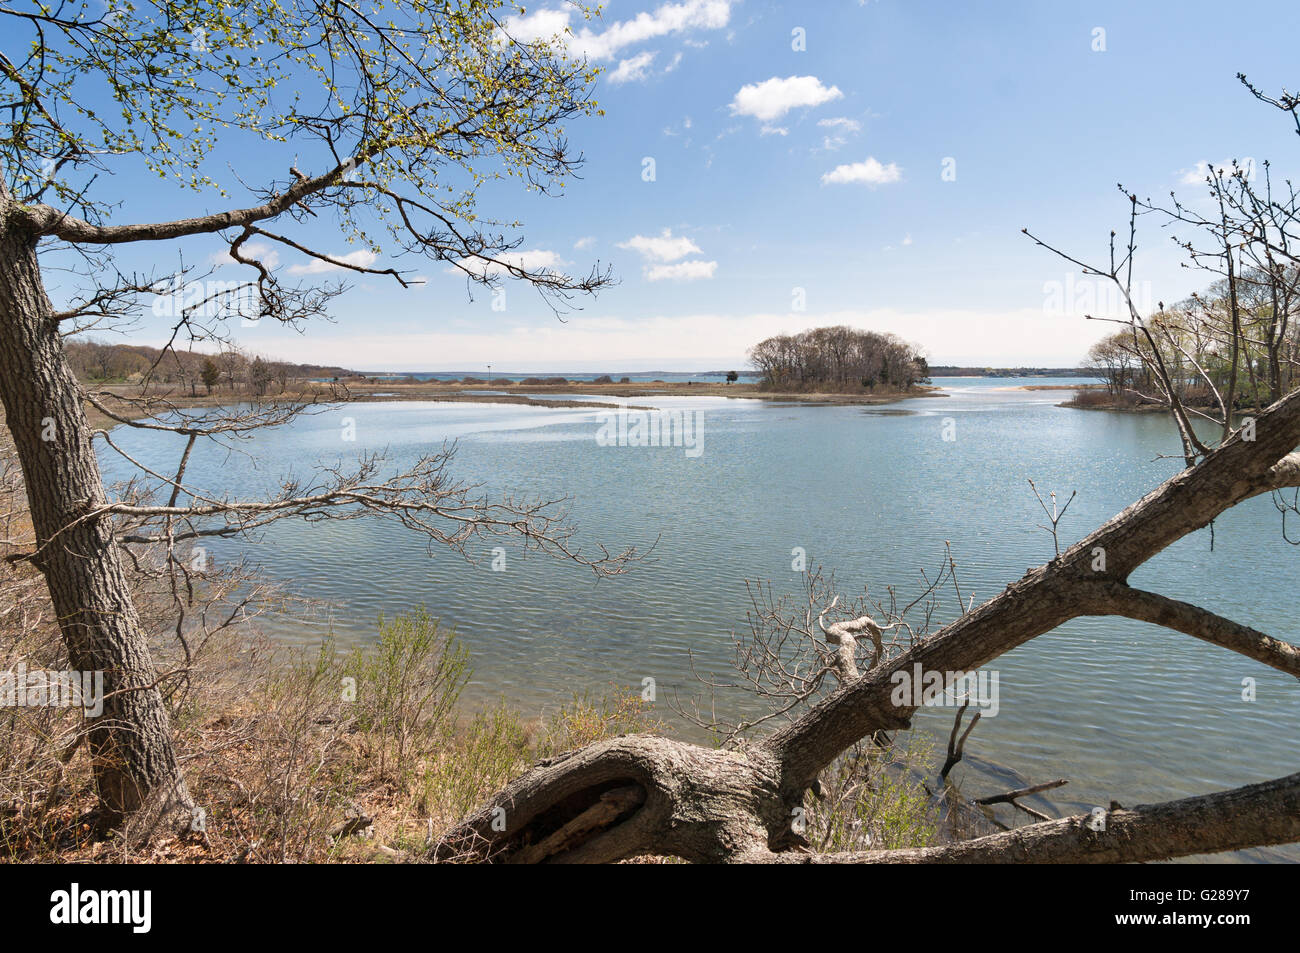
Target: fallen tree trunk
{"type": "Point", "coordinates": [1252, 816]}
{"type": "Point", "coordinates": [739, 805]}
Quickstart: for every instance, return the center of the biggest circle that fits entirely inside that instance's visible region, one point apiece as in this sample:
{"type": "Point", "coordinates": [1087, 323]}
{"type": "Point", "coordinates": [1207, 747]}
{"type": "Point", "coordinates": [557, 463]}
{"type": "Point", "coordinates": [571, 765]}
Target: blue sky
{"type": "Point", "coordinates": [815, 175]}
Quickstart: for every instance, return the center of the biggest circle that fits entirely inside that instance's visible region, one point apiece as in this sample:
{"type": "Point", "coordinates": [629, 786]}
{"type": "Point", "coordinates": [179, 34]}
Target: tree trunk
{"type": "Point", "coordinates": [130, 743]}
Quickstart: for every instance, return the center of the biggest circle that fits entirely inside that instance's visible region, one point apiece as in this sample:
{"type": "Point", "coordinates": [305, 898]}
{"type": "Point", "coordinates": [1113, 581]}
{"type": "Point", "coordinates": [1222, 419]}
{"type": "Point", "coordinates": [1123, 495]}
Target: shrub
{"type": "Point", "coordinates": [473, 763]}
{"type": "Point", "coordinates": [874, 798]}
{"type": "Point", "coordinates": [583, 721]}
{"type": "Point", "coordinates": [407, 686]}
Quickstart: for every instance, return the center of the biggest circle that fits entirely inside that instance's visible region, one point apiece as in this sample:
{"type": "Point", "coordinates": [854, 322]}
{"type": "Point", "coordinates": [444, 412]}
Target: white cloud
{"type": "Point", "coordinates": [541, 25]}
{"type": "Point", "coordinates": [535, 259]}
{"type": "Point", "coordinates": [682, 271]}
{"type": "Point", "coordinates": [663, 247]}
{"type": "Point", "coordinates": [268, 256]}
{"type": "Point", "coordinates": [843, 126]}
{"type": "Point", "coordinates": [907, 239]}
{"type": "Point", "coordinates": [667, 19]}
{"type": "Point", "coordinates": [362, 258]}
{"type": "Point", "coordinates": [773, 98]}
{"type": "Point", "coordinates": [840, 122]}
{"type": "Point", "coordinates": [870, 172]}
{"type": "Point", "coordinates": [1198, 173]}
{"type": "Point", "coordinates": [669, 248]}
{"type": "Point", "coordinates": [633, 70]}
{"type": "Point", "coordinates": [585, 242]}
{"type": "Point", "coordinates": [774, 131]}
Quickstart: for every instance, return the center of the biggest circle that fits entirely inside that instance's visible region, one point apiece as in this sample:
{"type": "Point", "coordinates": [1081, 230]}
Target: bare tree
{"type": "Point", "coordinates": [1232, 349]}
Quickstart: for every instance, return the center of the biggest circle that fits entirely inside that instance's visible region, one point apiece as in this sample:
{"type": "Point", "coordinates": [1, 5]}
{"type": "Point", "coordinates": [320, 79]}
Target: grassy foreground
{"type": "Point", "coordinates": [363, 756]}
{"type": "Point", "coordinates": [324, 755]}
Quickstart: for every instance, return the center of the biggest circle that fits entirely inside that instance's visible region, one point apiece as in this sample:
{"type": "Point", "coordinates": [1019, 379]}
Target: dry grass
{"type": "Point", "coordinates": [301, 757]}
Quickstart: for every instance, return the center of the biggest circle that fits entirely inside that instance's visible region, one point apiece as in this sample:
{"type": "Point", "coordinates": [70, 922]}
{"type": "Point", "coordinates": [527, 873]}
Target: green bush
{"type": "Point", "coordinates": [406, 687]}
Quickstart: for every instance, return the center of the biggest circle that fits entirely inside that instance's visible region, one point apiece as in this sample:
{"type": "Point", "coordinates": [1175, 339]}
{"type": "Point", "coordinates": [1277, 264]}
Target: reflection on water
{"type": "Point", "coordinates": [1127, 711]}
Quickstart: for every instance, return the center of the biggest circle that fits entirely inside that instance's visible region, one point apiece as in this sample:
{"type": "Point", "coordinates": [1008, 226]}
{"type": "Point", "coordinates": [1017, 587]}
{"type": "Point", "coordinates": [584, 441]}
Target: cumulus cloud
{"type": "Point", "coordinates": [773, 98]}
{"type": "Point", "coordinates": [667, 19]}
{"type": "Point", "coordinates": [539, 25]}
{"type": "Point", "coordinates": [682, 271]}
{"type": "Point", "coordinates": [871, 172]}
{"type": "Point", "coordinates": [664, 247]}
{"type": "Point", "coordinates": [667, 247]}
{"type": "Point", "coordinates": [585, 241]}
{"type": "Point", "coordinates": [362, 258]}
{"type": "Point", "coordinates": [633, 70]}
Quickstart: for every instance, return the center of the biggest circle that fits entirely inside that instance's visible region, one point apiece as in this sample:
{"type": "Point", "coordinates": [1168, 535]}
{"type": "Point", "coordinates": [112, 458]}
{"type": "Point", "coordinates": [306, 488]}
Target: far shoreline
{"type": "Point", "coordinates": [355, 391]}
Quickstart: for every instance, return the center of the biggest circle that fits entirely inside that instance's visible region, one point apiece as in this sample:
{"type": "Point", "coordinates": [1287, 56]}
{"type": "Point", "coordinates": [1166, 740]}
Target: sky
{"type": "Point", "coordinates": [832, 162]}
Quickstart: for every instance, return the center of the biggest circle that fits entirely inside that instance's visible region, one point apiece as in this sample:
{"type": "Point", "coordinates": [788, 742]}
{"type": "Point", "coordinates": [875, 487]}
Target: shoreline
{"type": "Point", "coordinates": [1117, 408]}
{"type": "Point", "coordinates": [517, 394]}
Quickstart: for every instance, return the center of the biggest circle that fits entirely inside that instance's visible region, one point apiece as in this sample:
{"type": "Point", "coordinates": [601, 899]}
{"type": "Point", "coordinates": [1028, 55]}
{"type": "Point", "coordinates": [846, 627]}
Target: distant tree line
{"type": "Point", "coordinates": [229, 370]}
{"type": "Point", "coordinates": [838, 359]}
{"type": "Point", "coordinates": [1235, 345]}
{"type": "Point", "coordinates": [956, 370]}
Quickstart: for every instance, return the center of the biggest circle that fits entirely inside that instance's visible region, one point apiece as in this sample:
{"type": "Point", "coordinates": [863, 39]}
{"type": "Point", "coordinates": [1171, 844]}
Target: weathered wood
{"type": "Point", "coordinates": [1252, 816]}
{"type": "Point", "coordinates": [600, 815]}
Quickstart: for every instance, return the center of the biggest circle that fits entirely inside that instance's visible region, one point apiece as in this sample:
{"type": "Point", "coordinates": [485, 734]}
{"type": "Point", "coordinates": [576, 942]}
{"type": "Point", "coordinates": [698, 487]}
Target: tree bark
{"type": "Point", "coordinates": [1255, 815]}
{"type": "Point", "coordinates": [130, 743]}
{"type": "Point", "coordinates": [705, 805]}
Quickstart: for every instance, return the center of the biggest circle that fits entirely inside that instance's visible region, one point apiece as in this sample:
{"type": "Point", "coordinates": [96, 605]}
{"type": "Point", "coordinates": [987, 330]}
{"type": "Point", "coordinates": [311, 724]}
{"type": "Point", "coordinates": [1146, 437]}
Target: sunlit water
{"type": "Point", "coordinates": [1126, 711]}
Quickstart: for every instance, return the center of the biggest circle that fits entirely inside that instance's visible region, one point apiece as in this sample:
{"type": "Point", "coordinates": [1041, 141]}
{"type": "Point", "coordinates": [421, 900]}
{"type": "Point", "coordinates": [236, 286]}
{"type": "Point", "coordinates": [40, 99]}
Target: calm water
{"type": "Point", "coordinates": [1125, 710]}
